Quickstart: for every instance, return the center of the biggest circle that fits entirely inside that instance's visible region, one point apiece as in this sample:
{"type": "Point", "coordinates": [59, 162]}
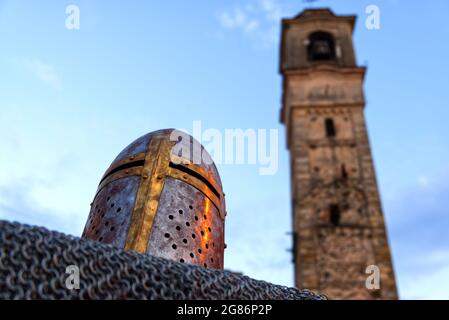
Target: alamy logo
{"type": "Point", "coordinates": [373, 280]}
{"type": "Point", "coordinates": [372, 22]}
{"type": "Point", "coordinates": [72, 21]}
{"type": "Point", "coordinates": [72, 282]}
{"type": "Point", "coordinates": [233, 146]}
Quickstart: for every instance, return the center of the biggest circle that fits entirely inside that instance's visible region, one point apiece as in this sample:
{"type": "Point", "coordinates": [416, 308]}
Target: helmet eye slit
{"type": "Point", "coordinates": [129, 165]}
{"type": "Point", "coordinates": [196, 175]}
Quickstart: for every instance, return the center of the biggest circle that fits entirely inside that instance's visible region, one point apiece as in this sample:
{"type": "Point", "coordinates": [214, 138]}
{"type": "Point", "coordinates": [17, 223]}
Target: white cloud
{"type": "Point", "coordinates": [238, 19]}
{"type": "Point", "coordinates": [17, 204]}
{"type": "Point", "coordinates": [272, 10]}
{"type": "Point", "coordinates": [423, 181]}
{"type": "Point", "coordinates": [417, 224]}
{"type": "Point", "coordinates": [432, 282]}
{"type": "Point", "coordinates": [44, 72]}
{"type": "Point", "coordinates": [258, 19]}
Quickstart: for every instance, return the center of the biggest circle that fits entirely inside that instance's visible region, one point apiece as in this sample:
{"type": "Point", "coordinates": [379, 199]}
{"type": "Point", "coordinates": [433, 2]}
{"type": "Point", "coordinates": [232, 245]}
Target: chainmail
{"type": "Point", "coordinates": [33, 264]}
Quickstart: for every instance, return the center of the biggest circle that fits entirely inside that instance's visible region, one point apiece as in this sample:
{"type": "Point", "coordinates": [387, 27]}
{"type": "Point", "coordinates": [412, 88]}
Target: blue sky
{"type": "Point", "coordinates": [71, 100]}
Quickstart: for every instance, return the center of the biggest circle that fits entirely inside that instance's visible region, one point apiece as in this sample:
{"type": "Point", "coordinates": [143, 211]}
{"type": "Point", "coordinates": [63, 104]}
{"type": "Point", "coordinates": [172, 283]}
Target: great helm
{"type": "Point", "coordinates": [162, 196]}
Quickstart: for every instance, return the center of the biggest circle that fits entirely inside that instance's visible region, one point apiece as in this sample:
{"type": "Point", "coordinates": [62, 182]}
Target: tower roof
{"type": "Point", "coordinates": [320, 14]}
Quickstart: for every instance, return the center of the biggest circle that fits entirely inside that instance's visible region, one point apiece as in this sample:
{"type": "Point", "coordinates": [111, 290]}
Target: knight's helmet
{"type": "Point", "coordinates": [162, 196]}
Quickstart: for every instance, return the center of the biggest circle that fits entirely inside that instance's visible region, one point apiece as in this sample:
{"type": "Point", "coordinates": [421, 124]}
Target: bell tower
{"type": "Point", "coordinates": [338, 223]}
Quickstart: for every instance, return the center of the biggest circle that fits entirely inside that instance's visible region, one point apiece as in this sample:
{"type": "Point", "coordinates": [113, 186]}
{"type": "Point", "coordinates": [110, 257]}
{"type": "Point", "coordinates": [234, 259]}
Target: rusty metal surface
{"type": "Point", "coordinates": [217, 198]}
{"type": "Point", "coordinates": [188, 227]}
{"type": "Point", "coordinates": [140, 145]}
{"type": "Point", "coordinates": [159, 181]}
{"type": "Point", "coordinates": [110, 214]}
{"type": "Point", "coordinates": [33, 264]}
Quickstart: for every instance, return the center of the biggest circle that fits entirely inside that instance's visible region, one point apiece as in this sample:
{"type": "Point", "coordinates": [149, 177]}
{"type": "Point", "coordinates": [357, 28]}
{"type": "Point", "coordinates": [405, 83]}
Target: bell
{"type": "Point", "coordinates": [321, 48]}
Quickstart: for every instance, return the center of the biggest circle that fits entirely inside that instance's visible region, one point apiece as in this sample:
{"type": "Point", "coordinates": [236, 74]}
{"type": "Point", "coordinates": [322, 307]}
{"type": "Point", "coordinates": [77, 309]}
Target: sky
{"type": "Point", "coordinates": [72, 99]}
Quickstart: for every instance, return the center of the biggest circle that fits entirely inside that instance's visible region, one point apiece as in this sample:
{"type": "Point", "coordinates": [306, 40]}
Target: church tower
{"type": "Point", "coordinates": [340, 239]}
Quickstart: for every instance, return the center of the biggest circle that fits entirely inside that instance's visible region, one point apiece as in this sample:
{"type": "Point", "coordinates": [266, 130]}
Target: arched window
{"type": "Point", "coordinates": [321, 46]}
{"type": "Point", "coordinates": [334, 214]}
{"type": "Point", "coordinates": [330, 127]}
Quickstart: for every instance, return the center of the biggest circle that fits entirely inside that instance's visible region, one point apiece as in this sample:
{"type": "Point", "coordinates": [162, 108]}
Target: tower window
{"type": "Point", "coordinates": [330, 127]}
{"type": "Point", "coordinates": [334, 214]}
{"type": "Point", "coordinates": [344, 173]}
{"type": "Point", "coordinates": [321, 46]}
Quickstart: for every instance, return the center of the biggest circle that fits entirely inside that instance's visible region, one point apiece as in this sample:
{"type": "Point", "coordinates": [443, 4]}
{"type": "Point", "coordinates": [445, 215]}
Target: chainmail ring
{"type": "Point", "coordinates": [33, 264]}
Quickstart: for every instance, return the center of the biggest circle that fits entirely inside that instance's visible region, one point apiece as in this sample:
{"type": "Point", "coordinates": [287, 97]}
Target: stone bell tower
{"type": "Point", "coordinates": [338, 223]}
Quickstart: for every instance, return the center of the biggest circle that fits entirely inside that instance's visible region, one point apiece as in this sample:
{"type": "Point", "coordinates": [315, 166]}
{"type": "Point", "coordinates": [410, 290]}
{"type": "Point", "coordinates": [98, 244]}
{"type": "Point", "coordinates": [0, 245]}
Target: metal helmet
{"type": "Point", "coordinates": [162, 196]}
